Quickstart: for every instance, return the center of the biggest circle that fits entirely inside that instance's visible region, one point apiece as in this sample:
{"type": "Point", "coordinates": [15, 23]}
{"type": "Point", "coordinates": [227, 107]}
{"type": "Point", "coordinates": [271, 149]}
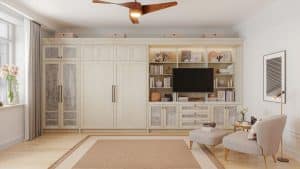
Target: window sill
{"type": "Point", "coordinates": [11, 106]}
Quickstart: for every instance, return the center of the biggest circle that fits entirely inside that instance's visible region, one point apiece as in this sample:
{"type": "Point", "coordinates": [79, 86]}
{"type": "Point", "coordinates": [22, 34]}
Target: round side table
{"type": "Point", "coordinates": [242, 126]}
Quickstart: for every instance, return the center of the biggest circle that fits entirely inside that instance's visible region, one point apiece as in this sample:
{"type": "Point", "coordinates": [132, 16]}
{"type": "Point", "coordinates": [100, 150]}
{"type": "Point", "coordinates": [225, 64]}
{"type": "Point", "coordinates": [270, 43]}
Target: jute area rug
{"type": "Point", "coordinates": [136, 152]}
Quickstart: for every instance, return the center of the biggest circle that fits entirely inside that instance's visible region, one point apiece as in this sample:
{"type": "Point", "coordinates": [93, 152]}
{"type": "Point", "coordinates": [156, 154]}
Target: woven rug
{"type": "Point", "coordinates": [136, 152]}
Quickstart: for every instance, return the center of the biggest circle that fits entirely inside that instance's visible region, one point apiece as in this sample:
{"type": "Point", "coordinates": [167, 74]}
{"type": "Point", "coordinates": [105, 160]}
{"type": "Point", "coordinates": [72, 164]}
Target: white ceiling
{"type": "Point", "coordinates": [188, 13]}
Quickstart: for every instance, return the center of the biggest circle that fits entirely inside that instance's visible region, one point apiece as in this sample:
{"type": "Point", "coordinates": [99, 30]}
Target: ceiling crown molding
{"type": "Point", "coordinates": [23, 10]}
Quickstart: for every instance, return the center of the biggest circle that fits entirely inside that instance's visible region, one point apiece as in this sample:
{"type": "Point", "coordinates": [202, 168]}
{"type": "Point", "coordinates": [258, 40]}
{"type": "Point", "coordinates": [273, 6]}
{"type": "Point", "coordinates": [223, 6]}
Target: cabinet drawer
{"type": "Point", "coordinates": [195, 115]}
{"type": "Point", "coordinates": [194, 108]}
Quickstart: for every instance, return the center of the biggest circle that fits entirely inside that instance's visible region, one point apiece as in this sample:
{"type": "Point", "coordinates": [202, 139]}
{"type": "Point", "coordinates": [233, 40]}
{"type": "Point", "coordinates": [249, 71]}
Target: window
{"type": "Point", "coordinates": [6, 51]}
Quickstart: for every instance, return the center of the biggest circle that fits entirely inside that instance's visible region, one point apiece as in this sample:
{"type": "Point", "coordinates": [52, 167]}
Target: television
{"type": "Point", "coordinates": [193, 79]}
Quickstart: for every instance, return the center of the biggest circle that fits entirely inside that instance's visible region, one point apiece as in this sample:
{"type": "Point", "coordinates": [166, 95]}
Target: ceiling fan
{"type": "Point", "coordinates": [136, 9]}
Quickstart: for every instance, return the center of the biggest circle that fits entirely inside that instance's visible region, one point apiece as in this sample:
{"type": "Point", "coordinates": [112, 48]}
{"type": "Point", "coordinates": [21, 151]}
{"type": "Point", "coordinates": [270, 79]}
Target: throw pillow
{"type": "Point", "coordinates": [253, 131]}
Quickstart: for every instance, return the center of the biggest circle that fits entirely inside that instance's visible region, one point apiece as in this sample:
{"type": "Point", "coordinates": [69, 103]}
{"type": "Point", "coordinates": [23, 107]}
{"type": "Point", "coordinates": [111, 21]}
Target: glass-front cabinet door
{"type": "Point", "coordinates": [51, 52]}
{"type": "Point", "coordinates": [219, 116]}
{"type": "Point", "coordinates": [51, 95]}
{"type": "Point", "coordinates": [232, 116]}
{"type": "Point", "coordinates": [57, 52]}
{"type": "Point", "coordinates": [156, 117]}
{"type": "Point", "coordinates": [69, 95]}
{"type": "Point", "coordinates": [171, 116]}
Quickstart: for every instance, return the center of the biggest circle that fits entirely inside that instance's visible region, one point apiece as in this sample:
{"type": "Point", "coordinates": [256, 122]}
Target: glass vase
{"type": "Point", "coordinates": [10, 91]}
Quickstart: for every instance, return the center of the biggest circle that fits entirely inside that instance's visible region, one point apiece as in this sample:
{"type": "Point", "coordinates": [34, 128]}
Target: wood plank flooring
{"type": "Point", "coordinates": [45, 150]}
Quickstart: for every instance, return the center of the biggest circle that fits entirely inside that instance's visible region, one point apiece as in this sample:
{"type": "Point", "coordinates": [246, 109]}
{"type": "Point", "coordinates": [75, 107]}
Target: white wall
{"type": "Point", "coordinates": [11, 125]}
{"type": "Point", "coordinates": [275, 28]}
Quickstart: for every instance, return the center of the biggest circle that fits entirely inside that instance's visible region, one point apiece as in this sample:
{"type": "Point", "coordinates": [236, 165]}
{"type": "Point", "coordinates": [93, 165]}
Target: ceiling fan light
{"type": "Point", "coordinates": [135, 13]}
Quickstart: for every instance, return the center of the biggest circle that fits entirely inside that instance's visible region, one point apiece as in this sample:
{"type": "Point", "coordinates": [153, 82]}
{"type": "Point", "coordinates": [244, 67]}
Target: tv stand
{"type": "Point", "coordinates": [191, 115]}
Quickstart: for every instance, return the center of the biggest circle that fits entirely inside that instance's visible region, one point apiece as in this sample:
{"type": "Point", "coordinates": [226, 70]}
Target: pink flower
{"type": "Point", "coordinates": [8, 70]}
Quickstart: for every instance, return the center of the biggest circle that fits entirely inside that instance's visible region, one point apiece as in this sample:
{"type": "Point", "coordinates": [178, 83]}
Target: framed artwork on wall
{"type": "Point", "coordinates": [274, 79]}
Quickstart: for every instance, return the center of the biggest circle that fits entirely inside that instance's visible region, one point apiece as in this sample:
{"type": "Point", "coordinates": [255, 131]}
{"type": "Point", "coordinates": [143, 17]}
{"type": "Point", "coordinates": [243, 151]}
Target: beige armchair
{"type": "Point", "coordinates": [269, 133]}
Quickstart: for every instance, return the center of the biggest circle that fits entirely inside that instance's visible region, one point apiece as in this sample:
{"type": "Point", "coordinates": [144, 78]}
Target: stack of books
{"type": "Point", "coordinates": [156, 69]}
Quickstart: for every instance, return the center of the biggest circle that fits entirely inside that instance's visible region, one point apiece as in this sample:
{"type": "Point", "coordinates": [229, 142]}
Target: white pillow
{"type": "Point", "coordinates": [253, 131]}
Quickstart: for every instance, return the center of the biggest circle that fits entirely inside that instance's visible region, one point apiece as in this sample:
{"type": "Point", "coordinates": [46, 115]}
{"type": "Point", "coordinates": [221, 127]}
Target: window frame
{"type": "Point", "coordinates": [10, 57]}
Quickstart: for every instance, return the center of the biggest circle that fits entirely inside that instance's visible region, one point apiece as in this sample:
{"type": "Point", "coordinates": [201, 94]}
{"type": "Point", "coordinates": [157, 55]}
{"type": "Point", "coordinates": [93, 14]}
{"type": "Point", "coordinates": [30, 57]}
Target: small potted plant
{"type": "Point", "coordinates": [9, 73]}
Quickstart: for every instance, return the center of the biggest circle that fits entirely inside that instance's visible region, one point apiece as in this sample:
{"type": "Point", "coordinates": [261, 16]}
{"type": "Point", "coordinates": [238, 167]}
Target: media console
{"type": "Point", "coordinates": [172, 107]}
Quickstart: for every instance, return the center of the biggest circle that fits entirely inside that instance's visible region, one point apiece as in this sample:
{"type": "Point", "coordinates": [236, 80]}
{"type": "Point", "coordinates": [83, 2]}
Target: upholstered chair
{"type": "Point", "coordinates": [268, 136]}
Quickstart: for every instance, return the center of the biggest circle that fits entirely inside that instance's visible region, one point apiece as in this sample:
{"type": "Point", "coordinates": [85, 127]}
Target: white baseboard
{"type": "Point", "coordinates": [7, 143]}
{"type": "Point", "coordinates": [292, 136]}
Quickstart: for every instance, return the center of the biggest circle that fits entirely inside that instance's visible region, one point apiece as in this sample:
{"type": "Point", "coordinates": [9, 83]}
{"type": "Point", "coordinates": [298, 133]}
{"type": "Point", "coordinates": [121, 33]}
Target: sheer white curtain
{"type": "Point", "coordinates": [32, 80]}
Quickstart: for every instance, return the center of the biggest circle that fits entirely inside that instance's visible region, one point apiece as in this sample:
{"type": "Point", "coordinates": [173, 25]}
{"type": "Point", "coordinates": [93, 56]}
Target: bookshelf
{"type": "Point", "coordinates": [162, 60]}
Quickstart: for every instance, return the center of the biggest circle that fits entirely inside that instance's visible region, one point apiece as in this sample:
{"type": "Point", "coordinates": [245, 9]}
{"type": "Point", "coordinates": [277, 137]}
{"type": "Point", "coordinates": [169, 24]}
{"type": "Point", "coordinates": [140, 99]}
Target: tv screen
{"type": "Point", "coordinates": [193, 80]}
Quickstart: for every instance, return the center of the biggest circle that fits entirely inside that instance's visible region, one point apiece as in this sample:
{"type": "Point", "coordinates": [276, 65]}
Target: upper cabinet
{"type": "Point", "coordinates": [97, 52]}
{"type": "Point", "coordinates": [133, 53]}
{"type": "Point", "coordinates": [51, 52]}
{"type": "Point", "coordinates": [58, 52]}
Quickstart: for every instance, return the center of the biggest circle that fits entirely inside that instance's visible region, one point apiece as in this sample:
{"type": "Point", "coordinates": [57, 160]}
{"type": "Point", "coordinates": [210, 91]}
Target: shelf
{"type": "Point", "coordinates": [220, 62]}
{"type": "Point", "coordinates": [224, 74]}
{"type": "Point", "coordinates": [163, 62]}
{"type": "Point", "coordinates": [224, 87]}
{"type": "Point", "coordinates": [192, 62]}
{"type": "Point", "coordinates": [160, 87]}
{"type": "Point", "coordinates": [161, 75]}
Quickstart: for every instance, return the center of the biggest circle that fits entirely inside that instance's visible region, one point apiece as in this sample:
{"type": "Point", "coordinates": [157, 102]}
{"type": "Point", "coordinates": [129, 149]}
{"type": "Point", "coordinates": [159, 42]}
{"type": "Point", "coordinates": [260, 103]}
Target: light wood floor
{"type": "Point", "coordinates": [43, 151]}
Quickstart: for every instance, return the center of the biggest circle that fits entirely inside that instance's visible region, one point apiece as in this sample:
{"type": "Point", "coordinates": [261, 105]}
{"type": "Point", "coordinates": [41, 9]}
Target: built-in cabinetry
{"type": "Point", "coordinates": [163, 116]}
{"type": "Point", "coordinates": [114, 86]}
{"type": "Point", "coordinates": [107, 83]}
{"type": "Point", "coordinates": [223, 60]}
{"type": "Point", "coordinates": [60, 86]}
{"type": "Point", "coordinates": [191, 115]}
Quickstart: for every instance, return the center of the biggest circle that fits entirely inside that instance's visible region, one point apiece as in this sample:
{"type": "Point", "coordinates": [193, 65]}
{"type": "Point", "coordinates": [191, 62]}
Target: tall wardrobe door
{"type": "Point", "coordinates": [131, 95]}
{"type": "Point", "coordinates": [97, 105]}
{"type": "Point", "coordinates": [51, 95]}
{"type": "Point", "coordinates": [70, 97]}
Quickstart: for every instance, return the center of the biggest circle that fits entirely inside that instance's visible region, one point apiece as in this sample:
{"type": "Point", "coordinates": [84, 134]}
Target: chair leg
{"type": "Point", "coordinates": [190, 144]}
{"type": "Point", "coordinates": [265, 159]}
{"type": "Point", "coordinates": [226, 151]}
{"type": "Point", "coordinates": [274, 158]}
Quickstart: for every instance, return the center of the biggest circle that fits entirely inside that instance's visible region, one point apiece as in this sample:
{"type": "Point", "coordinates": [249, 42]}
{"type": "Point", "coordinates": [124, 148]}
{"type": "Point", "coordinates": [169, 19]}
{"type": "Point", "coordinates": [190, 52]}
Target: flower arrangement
{"type": "Point", "coordinates": [9, 73]}
{"type": "Point", "coordinates": [242, 110]}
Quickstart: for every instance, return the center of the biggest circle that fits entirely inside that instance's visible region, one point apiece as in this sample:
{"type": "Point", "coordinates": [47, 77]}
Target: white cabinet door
{"type": "Point", "coordinates": [131, 95]}
{"type": "Point", "coordinates": [139, 53]}
{"type": "Point", "coordinates": [97, 105]}
{"type": "Point", "coordinates": [135, 53]}
{"type": "Point", "coordinates": [51, 95]}
{"type": "Point", "coordinates": [70, 82]}
{"type": "Point", "coordinates": [69, 52]}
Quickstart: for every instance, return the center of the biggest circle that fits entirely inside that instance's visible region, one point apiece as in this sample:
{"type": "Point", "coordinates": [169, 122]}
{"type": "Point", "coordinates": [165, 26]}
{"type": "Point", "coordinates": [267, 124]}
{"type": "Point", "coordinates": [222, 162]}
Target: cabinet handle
{"type": "Point", "coordinates": [115, 93]}
{"type": "Point", "coordinates": [113, 96]}
{"type": "Point", "coordinates": [61, 93]}
{"type": "Point", "coordinates": [58, 94]}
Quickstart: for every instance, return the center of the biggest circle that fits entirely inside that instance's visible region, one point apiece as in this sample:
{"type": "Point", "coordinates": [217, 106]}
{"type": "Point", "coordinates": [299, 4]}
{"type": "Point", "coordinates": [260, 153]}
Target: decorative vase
{"type": "Point", "coordinates": [242, 117]}
{"type": "Point", "coordinates": [10, 91]}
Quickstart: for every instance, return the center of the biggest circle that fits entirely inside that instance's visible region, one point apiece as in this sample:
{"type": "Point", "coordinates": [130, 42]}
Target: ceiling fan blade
{"type": "Point", "coordinates": [131, 5]}
{"type": "Point", "coordinates": [126, 4]}
{"type": "Point", "coordinates": [134, 20]}
{"type": "Point", "coordinates": [103, 2]}
{"type": "Point", "coordinates": [155, 7]}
